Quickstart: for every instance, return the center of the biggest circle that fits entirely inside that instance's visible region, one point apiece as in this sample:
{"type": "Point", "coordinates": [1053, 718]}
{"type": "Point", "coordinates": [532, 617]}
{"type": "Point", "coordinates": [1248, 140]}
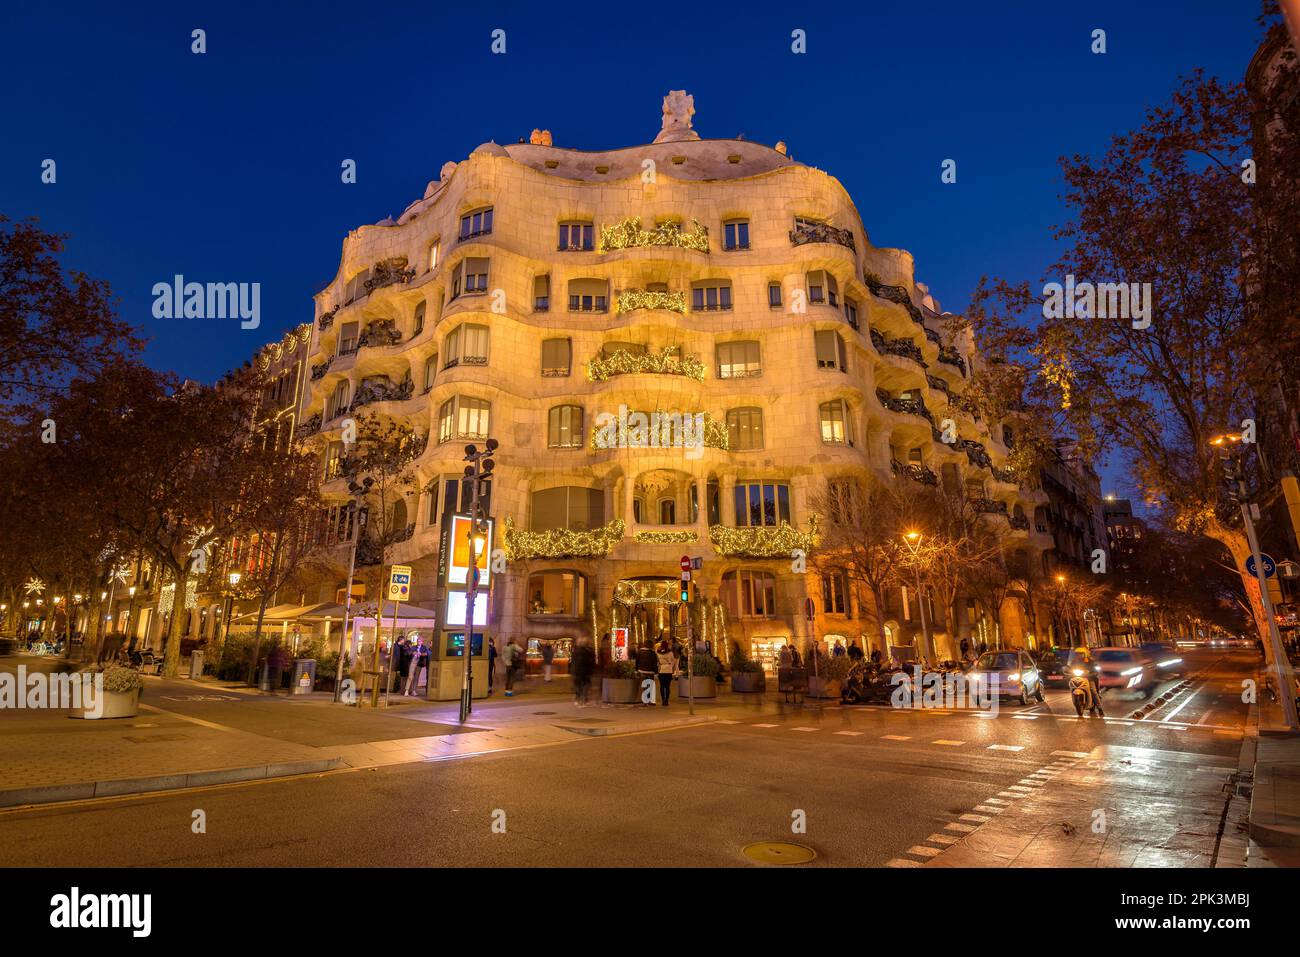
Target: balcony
{"type": "Point", "coordinates": [309, 426]}
{"type": "Point", "coordinates": [934, 382]}
{"type": "Point", "coordinates": [952, 357]}
{"type": "Point", "coordinates": [318, 371]}
{"type": "Point", "coordinates": [628, 235]}
{"type": "Point", "coordinates": [668, 362]}
{"type": "Point", "coordinates": [386, 272]}
{"type": "Point", "coordinates": [764, 541]}
{"type": "Point", "coordinates": [897, 347]}
{"type": "Point", "coordinates": [371, 392]}
{"type": "Point", "coordinates": [894, 294]}
{"type": "Point", "coordinates": [383, 333]}
{"type": "Point", "coordinates": [562, 542]}
{"type": "Point", "coordinates": [975, 453]}
{"type": "Point", "coordinates": [633, 299]}
{"type": "Point", "coordinates": [327, 319]}
{"type": "Point", "coordinates": [1004, 475]}
{"type": "Point", "coordinates": [933, 336]}
{"type": "Point", "coordinates": [989, 506]}
{"type": "Point", "coordinates": [804, 233]}
{"type": "Point", "coordinates": [909, 406]}
{"type": "Point", "coordinates": [1019, 522]}
{"type": "Point", "coordinates": [914, 471]}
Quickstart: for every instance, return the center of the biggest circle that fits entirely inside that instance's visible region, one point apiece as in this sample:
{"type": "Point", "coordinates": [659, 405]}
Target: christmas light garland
{"type": "Point", "coordinates": [628, 234]}
{"type": "Point", "coordinates": [641, 299]}
{"type": "Point", "coordinates": [716, 435]}
{"type": "Point", "coordinates": [666, 538]}
{"type": "Point", "coordinates": [622, 362]}
{"type": "Point", "coordinates": [778, 541]}
{"type": "Point", "coordinates": [562, 542]}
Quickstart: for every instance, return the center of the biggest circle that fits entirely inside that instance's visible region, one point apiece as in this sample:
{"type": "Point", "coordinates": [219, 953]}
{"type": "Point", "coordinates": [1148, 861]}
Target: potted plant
{"type": "Point", "coordinates": [619, 684]}
{"type": "Point", "coordinates": [704, 673]}
{"type": "Point", "coordinates": [119, 695]}
{"type": "Point", "coordinates": [829, 680]}
{"type": "Point", "coordinates": [746, 673]}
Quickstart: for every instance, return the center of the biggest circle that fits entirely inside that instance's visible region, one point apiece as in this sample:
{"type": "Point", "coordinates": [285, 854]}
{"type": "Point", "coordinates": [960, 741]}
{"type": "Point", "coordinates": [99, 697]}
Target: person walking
{"type": "Point", "coordinates": [785, 657]}
{"type": "Point", "coordinates": [548, 660]}
{"type": "Point", "coordinates": [492, 662]}
{"type": "Point", "coordinates": [965, 648]}
{"type": "Point", "coordinates": [419, 663]}
{"type": "Point", "coordinates": [647, 666]}
{"type": "Point", "coordinates": [275, 662]}
{"type": "Point", "coordinates": [839, 651]}
{"type": "Point", "coordinates": [796, 659]}
{"type": "Point", "coordinates": [581, 666]}
{"type": "Point", "coordinates": [667, 661]}
{"type": "Point", "coordinates": [513, 656]}
{"type": "Point", "coordinates": [855, 652]}
{"type": "Point", "coordinates": [403, 662]}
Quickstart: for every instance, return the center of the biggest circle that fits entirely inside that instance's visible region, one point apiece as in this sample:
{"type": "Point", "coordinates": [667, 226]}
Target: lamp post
{"type": "Point", "coordinates": [1228, 446]}
{"type": "Point", "coordinates": [233, 578]}
{"type": "Point", "coordinates": [358, 491]}
{"type": "Point", "coordinates": [913, 542]}
{"type": "Point", "coordinates": [477, 472]}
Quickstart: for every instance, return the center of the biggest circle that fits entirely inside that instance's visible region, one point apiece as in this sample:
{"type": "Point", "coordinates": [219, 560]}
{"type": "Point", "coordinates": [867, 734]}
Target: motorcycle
{"type": "Point", "coordinates": [1084, 693]}
{"type": "Point", "coordinates": [864, 683]}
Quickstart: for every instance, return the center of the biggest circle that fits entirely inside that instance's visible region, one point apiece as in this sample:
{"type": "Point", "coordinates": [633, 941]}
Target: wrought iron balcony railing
{"type": "Point", "coordinates": [952, 357]}
{"type": "Point", "coordinates": [1019, 522]}
{"type": "Point", "coordinates": [895, 294]}
{"type": "Point", "coordinates": [327, 319]}
{"type": "Point", "coordinates": [389, 271]}
{"type": "Point", "coordinates": [975, 452]}
{"type": "Point", "coordinates": [914, 471]}
{"type": "Point", "coordinates": [988, 506]}
{"type": "Point", "coordinates": [821, 233]}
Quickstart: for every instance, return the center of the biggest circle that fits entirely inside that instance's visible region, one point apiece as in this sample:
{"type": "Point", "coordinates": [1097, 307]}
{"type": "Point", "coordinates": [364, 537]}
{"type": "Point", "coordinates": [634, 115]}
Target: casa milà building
{"type": "Point", "coordinates": [542, 296]}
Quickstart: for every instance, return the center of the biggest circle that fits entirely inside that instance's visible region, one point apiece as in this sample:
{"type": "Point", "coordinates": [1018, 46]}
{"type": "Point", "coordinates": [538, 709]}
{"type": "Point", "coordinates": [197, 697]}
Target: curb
{"type": "Point", "coordinates": [647, 726]}
{"type": "Point", "coordinates": [86, 790]}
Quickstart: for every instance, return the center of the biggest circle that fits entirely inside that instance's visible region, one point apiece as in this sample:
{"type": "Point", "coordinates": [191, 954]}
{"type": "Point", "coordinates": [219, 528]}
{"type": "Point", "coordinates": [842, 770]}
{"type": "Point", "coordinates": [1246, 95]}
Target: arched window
{"type": "Point", "coordinates": [558, 593]}
{"type": "Point", "coordinates": [564, 427]}
{"type": "Point", "coordinates": [836, 427]}
{"type": "Point", "coordinates": [749, 593]}
{"type": "Point", "coordinates": [745, 429]}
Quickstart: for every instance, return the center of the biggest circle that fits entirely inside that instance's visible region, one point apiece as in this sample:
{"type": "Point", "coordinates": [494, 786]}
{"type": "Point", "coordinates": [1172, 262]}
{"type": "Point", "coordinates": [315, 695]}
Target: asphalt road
{"type": "Point", "coordinates": [869, 782]}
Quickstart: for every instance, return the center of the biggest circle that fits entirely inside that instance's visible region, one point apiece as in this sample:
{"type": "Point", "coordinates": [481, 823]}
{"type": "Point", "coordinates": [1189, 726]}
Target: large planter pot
{"type": "Point", "coordinates": [704, 687]}
{"type": "Point", "coordinates": [620, 690]}
{"type": "Point", "coordinates": [748, 682]}
{"type": "Point", "coordinates": [819, 687]}
{"type": "Point", "coordinates": [116, 704]}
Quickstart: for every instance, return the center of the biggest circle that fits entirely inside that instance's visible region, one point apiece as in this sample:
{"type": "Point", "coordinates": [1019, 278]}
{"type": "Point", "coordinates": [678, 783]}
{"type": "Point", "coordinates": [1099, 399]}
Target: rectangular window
{"type": "Point", "coordinates": [833, 597]}
{"type": "Point", "coordinates": [760, 504]}
{"type": "Point", "coordinates": [431, 513]}
{"type": "Point", "coordinates": [433, 256]}
{"type": "Point", "coordinates": [735, 234]}
{"type": "Point", "coordinates": [474, 344]}
{"type": "Point", "coordinates": [576, 237]}
{"type": "Point", "coordinates": [348, 338]}
{"type": "Point", "coordinates": [830, 350]}
{"type": "Point", "coordinates": [774, 295]}
{"type": "Point", "coordinates": [419, 320]}
{"type": "Point", "coordinates": [557, 357]}
{"type": "Point", "coordinates": [477, 223]}
{"type": "Point", "coordinates": [817, 287]}
{"type": "Point", "coordinates": [738, 360]}
{"type": "Point", "coordinates": [745, 429]}
{"type": "Point", "coordinates": [712, 296]}
{"type": "Point", "coordinates": [588, 295]}
{"type": "Point", "coordinates": [471, 277]}
{"type": "Point", "coordinates": [851, 312]}
{"type": "Point", "coordinates": [542, 293]}
{"type": "Point", "coordinates": [474, 417]}
{"type": "Point", "coordinates": [430, 371]}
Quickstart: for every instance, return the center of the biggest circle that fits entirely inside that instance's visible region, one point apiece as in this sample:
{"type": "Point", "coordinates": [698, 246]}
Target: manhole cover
{"type": "Point", "coordinates": [779, 852]}
{"type": "Point", "coordinates": [543, 712]}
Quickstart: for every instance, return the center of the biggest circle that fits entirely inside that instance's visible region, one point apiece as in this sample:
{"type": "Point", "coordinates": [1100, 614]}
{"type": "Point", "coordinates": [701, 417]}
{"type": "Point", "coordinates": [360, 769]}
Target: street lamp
{"type": "Point", "coordinates": [1228, 445]}
{"type": "Point", "coordinates": [477, 473]}
{"type": "Point", "coordinates": [233, 578]}
{"type": "Point", "coordinates": [913, 542]}
{"type": "Point", "coordinates": [359, 492]}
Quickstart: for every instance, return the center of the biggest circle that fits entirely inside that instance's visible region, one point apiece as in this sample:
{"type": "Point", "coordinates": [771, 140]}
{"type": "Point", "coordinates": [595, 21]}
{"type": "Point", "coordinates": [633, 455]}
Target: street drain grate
{"type": "Point", "coordinates": [779, 852]}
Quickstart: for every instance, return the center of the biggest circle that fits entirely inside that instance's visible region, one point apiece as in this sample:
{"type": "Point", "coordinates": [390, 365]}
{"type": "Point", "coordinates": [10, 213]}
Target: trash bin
{"type": "Point", "coordinates": [304, 676]}
{"type": "Point", "coordinates": [196, 664]}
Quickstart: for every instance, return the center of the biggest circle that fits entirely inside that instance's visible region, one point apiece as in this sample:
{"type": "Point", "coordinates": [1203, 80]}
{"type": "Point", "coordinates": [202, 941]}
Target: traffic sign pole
{"type": "Point", "coordinates": [1281, 664]}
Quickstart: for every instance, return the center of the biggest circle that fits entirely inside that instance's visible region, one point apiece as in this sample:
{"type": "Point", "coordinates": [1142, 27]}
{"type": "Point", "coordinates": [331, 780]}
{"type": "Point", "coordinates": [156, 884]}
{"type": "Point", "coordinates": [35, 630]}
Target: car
{"type": "Point", "coordinates": [1168, 660]}
{"type": "Point", "coordinates": [1011, 671]}
{"type": "Point", "coordinates": [1056, 663]}
{"type": "Point", "coordinates": [1125, 669]}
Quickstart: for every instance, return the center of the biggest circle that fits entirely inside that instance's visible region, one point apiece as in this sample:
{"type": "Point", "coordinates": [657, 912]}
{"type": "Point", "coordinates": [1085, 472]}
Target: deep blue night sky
{"type": "Point", "coordinates": [225, 166]}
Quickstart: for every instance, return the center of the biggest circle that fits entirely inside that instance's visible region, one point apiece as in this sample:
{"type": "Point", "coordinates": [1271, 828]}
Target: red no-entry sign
{"type": "Point", "coordinates": [686, 563]}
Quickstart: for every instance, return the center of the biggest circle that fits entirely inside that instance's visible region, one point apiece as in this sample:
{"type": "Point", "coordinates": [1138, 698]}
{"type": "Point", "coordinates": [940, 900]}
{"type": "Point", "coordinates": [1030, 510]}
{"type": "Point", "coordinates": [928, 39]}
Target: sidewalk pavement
{"type": "Point", "coordinates": [194, 733]}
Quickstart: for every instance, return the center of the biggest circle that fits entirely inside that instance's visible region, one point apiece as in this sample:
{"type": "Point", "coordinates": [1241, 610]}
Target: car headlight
{"type": "Point", "coordinates": [1078, 672]}
{"type": "Point", "coordinates": [1131, 671]}
{"type": "Point", "coordinates": [1170, 662]}
{"type": "Point", "coordinates": [1014, 677]}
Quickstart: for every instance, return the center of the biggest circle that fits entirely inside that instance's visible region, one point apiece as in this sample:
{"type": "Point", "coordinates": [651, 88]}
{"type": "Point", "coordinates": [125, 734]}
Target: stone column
{"type": "Point", "coordinates": [727, 493]}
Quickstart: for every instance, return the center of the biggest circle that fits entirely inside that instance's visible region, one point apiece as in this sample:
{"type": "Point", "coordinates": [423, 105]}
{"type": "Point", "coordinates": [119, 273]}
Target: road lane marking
{"type": "Point", "coordinates": [920, 850]}
{"type": "Point", "coordinates": [1174, 713]}
{"type": "Point", "coordinates": [948, 743]}
{"type": "Point", "coordinates": [977, 818]}
{"type": "Point", "coordinates": [854, 734]}
{"type": "Point", "coordinates": [762, 726]}
{"type": "Point", "coordinates": [897, 737]}
{"type": "Point", "coordinates": [964, 828]}
{"type": "Point", "coordinates": [1119, 721]}
{"type": "Point", "coordinates": [987, 809]}
{"type": "Point", "coordinates": [720, 722]}
{"type": "Point", "coordinates": [1070, 754]}
{"type": "Point", "coordinates": [1010, 794]}
{"type": "Point", "coordinates": [792, 729]}
{"type": "Point", "coordinates": [997, 801]}
{"type": "Point", "coordinates": [1021, 717]}
{"type": "Point", "coordinates": [1005, 747]}
{"type": "Point", "coordinates": [1030, 780]}
{"type": "Point", "coordinates": [1018, 787]}
{"type": "Point", "coordinates": [943, 839]}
